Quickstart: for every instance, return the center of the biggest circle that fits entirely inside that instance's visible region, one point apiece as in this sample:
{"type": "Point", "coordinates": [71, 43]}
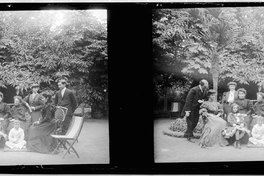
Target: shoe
{"type": "Point", "coordinates": [188, 135]}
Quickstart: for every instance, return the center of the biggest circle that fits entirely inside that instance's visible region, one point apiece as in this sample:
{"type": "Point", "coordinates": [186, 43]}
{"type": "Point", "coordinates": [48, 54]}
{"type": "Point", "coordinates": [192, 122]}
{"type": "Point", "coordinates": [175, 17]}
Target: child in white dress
{"type": "Point", "coordinates": [258, 133]}
{"type": "Point", "coordinates": [16, 137]}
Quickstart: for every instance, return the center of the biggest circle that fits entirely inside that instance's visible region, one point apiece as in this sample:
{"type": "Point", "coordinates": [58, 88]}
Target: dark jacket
{"type": "Point", "coordinates": [68, 100]}
{"type": "Point", "coordinates": [191, 103]}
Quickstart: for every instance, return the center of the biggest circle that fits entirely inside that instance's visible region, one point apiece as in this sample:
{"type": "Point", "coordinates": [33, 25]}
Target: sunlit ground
{"type": "Point", "coordinates": [171, 149]}
{"type": "Point", "coordinates": [92, 146]}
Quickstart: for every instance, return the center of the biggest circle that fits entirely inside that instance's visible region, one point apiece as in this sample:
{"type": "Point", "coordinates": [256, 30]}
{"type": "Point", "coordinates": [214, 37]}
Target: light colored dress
{"type": "Point", "coordinates": [16, 139]}
{"type": "Point", "coordinates": [212, 131]}
{"type": "Point", "coordinates": [257, 135]}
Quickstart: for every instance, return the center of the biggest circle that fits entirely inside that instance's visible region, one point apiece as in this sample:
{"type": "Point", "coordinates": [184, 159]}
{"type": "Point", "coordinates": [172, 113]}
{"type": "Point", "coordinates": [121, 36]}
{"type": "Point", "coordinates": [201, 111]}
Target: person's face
{"type": "Point", "coordinates": [241, 95]}
{"type": "Point", "coordinates": [212, 97]}
{"type": "Point", "coordinates": [259, 97]}
{"type": "Point", "coordinates": [16, 125]}
{"type": "Point", "coordinates": [45, 99]}
{"type": "Point", "coordinates": [16, 101]}
{"type": "Point", "coordinates": [61, 85]}
{"type": "Point", "coordinates": [235, 108]}
{"type": "Point", "coordinates": [206, 85]}
{"type": "Point", "coordinates": [35, 89]}
{"type": "Point", "coordinates": [232, 87]}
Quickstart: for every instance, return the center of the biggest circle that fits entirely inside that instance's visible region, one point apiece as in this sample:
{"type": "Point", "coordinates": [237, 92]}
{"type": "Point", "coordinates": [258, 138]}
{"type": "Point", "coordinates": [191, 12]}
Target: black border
{"type": "Point", "coordinates": [130, 95]}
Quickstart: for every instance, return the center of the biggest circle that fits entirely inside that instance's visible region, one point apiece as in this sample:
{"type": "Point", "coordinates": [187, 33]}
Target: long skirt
{"type": "Point", "coordinates": [212, 132]}
{"type": "Point", "coordinates": [40, 139]}
{"type": "Point", "coordinates": [35, 116]}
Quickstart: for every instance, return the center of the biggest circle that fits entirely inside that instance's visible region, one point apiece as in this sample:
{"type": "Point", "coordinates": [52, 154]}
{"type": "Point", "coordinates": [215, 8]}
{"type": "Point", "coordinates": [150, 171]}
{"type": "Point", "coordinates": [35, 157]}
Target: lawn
{"type": "Point", "coordinates": [93, 148]}
{"type": "Point", "coordinates": [171, 149]}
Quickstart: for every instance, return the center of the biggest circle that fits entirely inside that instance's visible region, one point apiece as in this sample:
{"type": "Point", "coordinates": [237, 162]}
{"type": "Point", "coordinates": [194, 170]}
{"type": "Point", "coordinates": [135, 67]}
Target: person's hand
{"type": "Point", "coordinates": [187, 113]}
{"type": "Point", "coordinates": [36, 123]}
{"type": "Point", "coordinates": [200, 101]}
{"type": "Point", "coordinates": [33, 108]}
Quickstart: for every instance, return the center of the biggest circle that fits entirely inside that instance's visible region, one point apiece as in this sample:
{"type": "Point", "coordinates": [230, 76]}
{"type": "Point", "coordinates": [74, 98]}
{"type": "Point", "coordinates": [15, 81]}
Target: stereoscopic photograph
{"type": "Point", "coordinates": [208, 84]}
{"type": "Point", "coordinates": [54, 87]}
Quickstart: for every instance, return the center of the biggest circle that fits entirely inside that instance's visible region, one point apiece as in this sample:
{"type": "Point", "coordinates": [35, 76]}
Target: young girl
{"type": "Point", "coordinates": [16, 137]}
{"type": "Point", "coordinates": [236, 131]}
{"type": "Point", "coordinates": [258, 133]}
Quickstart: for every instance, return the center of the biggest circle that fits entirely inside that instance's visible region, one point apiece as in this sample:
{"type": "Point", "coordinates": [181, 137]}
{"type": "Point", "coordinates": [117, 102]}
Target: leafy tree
{"type": "Point", "coordinates": [41, 46]}
{"type": "Point", "coordinates": [215, 41]}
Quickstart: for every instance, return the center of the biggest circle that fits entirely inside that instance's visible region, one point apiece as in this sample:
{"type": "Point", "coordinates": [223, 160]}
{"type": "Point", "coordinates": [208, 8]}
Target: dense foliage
{"type": "Point", "coordinates": [41, 46]}
{"type": "Point", "coordinates": [221, 42]}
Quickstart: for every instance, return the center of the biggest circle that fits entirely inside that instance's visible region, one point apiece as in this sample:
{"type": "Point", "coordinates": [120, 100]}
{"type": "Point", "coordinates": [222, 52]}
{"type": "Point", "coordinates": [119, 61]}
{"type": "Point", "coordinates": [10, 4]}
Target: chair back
{"type": "Point", "coordinates": [60, 113]}
{"type": "Point", "coordinates": [75, 127]}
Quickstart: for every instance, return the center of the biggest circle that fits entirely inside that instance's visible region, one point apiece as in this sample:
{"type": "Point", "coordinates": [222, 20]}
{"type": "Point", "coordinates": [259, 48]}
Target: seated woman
{"type": "Point", "coordinates": [258, 133]}
{"type": "Point", "coordinates": [20, 111]}
{"type": "Point", "coordinates": [245, 106]}
{"type": "Point", "coordinates": [39, 139]}
{"type": "Point", "coordinates": [212, 132]}
{"type": "Point", "coordinates": [16, 137]}
{"type": "Point", "coordinates": [4, 114]}
{"type": "Point", "coordinates": [258, 109]}
{"type": "Point", "coordinates": [236, 132]}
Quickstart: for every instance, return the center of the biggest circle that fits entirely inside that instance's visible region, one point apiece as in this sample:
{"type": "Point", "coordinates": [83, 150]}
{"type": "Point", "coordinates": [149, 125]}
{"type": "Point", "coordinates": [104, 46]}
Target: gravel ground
{"type": "Point", "coordinates": [93, 148]}
{"type": "Point", "coordinates": [171, 149]}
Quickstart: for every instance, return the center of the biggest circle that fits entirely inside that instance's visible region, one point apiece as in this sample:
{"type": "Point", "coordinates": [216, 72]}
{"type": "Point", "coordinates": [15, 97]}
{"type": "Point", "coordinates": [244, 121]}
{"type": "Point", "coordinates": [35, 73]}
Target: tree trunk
{"type": "Point", "coordinates": [166, 101]}
{"type": "Point", "coordinates": [215, 73]}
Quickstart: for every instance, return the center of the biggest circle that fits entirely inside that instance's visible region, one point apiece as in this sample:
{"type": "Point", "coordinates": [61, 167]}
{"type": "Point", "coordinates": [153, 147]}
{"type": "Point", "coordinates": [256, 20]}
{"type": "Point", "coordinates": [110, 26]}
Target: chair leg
{"type": "Point", "coordinates": [60, 143]}
{"type": "Point", "coordinates": [71, 147]}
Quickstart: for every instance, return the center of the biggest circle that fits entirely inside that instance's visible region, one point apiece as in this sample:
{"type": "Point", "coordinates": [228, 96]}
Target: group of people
{"type": "Point", "coordinates": [29, 123]}
{"type": "Point", "coordinates": [235, 120]}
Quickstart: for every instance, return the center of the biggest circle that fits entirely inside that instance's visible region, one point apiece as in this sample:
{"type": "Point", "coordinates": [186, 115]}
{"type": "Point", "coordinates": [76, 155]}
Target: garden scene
{"type": "Point", "coordinates": [58, 55]}
{"type": "Point", "coordinates": [214, 51]}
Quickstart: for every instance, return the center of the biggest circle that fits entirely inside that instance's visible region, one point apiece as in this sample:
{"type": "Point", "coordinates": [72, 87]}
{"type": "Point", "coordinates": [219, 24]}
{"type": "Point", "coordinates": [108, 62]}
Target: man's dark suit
{"type": "Point", "coordinates": [192, 104]}
{"type": "Point", "coordinates": [69, 101]}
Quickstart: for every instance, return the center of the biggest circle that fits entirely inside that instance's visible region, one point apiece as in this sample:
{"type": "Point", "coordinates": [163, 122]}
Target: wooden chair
{"type": "Point", "coordinates": [71, 136]}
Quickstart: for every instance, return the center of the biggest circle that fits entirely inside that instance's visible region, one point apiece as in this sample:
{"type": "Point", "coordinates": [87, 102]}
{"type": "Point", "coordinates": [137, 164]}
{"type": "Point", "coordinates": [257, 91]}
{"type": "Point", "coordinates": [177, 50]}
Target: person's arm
{"type": "Point", "coordinates": [21, 136]}
{"type": "Point", "coordinates": [40, 103]}
{"type": "Point", "coordinates": [26, 105]}
{"type": "Point", "coordinates": [73, 101]}
{"type": "Point", "coordinates": [230, 120]}
{"type": "Point", "coordinates": [223, 98]}
{"type": "Point", "coordinates": [250, 107]}
{"type": "Point", "coordinates": [189, 100]}
{"type": "Point", "coordinates": [6, 111]}
{"type": "Point", "coordinates": [56, 99]}
{"type": "Point", "coordinates": [11, 136]}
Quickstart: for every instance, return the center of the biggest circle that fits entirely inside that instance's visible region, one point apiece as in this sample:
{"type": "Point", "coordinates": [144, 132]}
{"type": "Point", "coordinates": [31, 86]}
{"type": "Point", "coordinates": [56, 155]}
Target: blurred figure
{"type": "Point", "coordinates": [192, 106]}
{"type": "Point", "coordinates": [16, 137]}
{"type": "Point", "coordinates": [229, 98]}
{"type": "Point", "coordinates": [35, 102]}
{"type": "Point", "coordinates": [65, 98]}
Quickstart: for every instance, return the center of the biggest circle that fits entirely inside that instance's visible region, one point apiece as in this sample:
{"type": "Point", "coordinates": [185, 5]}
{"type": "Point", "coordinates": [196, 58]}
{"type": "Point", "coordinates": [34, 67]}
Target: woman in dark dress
{"type": "Point", "coordinates": [20, 111]}
{"type": "Point", "coordinates": [35, 102]}
{"type": "Point", "coordinates": [40, 139]}
{"type": "Point", "coordinates": [245, 106]}
{"type": "Point", "coordinates": [4, 114]}
{"type": "Point", "coordinates": [258, 109]}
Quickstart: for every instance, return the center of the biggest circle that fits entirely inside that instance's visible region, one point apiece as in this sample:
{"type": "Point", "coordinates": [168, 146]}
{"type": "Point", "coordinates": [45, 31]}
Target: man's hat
{"type": "Point", "coordinates": [231, 83]}
{"type": "Point", "coordinates": [34, 85]}
{"type": "Point", "coordinates": [242, 90]}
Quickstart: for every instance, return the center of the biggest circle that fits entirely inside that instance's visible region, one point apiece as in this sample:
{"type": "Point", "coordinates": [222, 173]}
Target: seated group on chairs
{"type": "Point", "coordinates": [30, 122]}
{"type": "Point", "coordinates": [234, 121]}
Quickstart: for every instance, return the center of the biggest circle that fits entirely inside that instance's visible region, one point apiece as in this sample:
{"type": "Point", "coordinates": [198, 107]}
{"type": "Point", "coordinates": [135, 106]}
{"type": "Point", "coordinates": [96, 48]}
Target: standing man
{"type": "Point", "coordinates": [66, 98]}
{"type": "Point", "coordinates": [192, 106]}
{"type": "Point", "coordinates": [229, 98]}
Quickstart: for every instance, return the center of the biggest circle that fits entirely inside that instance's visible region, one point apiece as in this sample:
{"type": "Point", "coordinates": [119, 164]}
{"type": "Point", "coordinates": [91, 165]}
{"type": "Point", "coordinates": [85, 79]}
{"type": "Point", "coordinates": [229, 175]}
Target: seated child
{"type": "Point", "coordinates": [258, 133]}
{"type": "Point", "coordinates": [16, 137]}
{"type": "Point", "coordinates": [236, 131]}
